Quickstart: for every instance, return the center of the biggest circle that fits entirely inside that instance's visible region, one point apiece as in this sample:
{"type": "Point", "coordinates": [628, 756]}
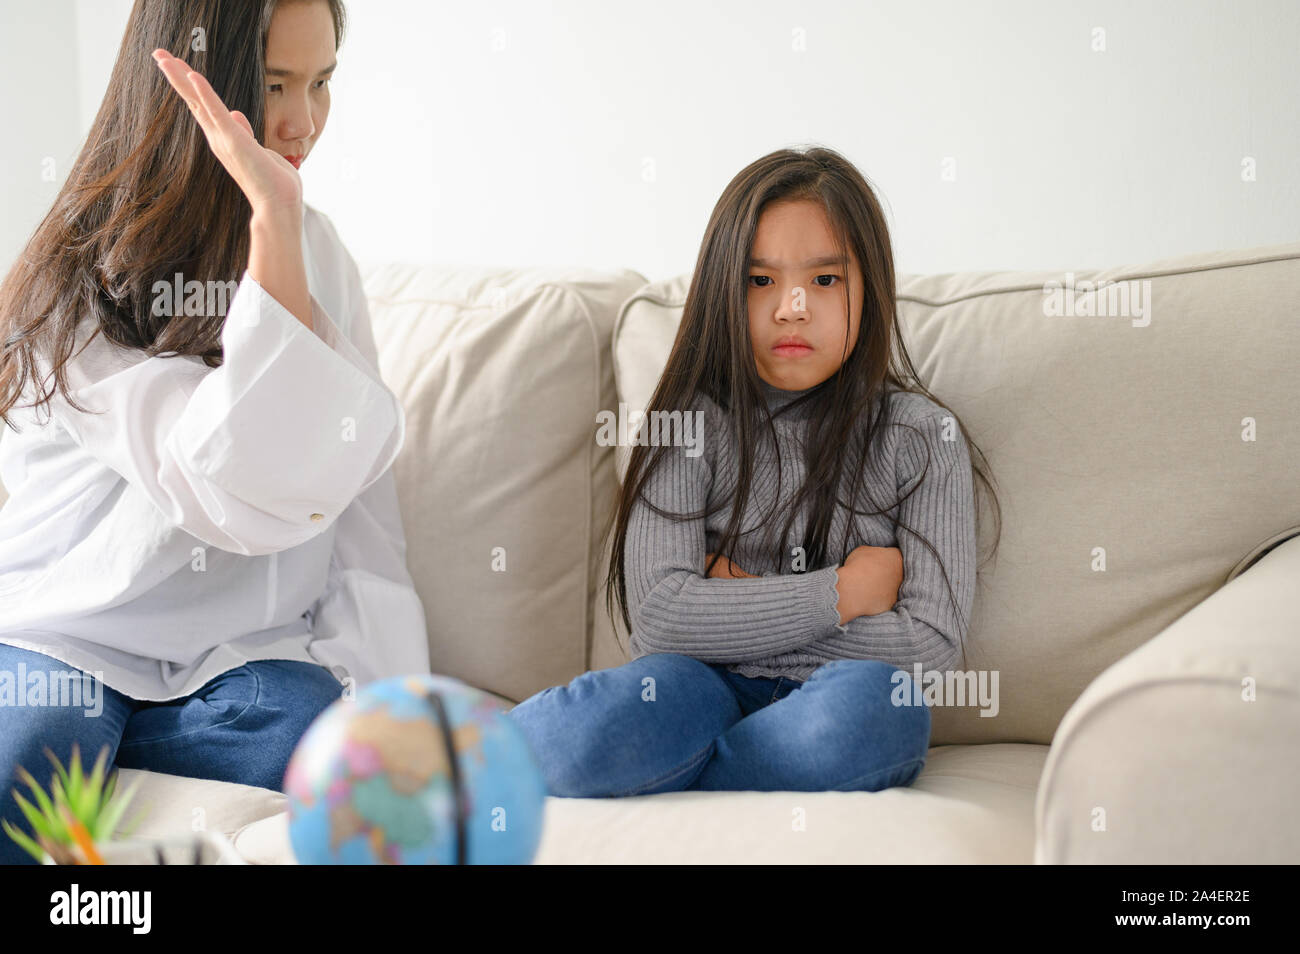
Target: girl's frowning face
{"type": "Point", "coordinates": [797, 321]}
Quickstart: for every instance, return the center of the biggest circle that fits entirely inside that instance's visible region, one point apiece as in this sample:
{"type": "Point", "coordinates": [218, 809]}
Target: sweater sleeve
{"type": "Point", "coordinates": [258, 455]}
{"type": "Point", "coordinates": [923, 625]}
{"type": "Point", "coordinates": [675, 608]}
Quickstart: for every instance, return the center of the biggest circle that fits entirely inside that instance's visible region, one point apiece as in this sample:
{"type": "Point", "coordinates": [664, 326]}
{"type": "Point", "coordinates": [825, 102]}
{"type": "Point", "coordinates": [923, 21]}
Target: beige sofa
{"type": "Point", "coordinates": [1141, 614]}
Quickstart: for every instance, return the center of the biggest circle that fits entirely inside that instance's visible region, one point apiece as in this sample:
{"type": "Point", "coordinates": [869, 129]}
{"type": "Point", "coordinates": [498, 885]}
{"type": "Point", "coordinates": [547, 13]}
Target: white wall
{"type": "Point", "coordinates": [524, 132]}
{"type": "Point", "coordinates": [40, 120]}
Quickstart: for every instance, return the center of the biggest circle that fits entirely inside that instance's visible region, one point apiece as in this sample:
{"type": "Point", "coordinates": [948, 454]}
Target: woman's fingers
{"type": "Point", "coordinates": [175, 71]}
{"type": "Point", "coordinates": [216, 109]}
{"type": "Point", "coordinates": [226, 135]}
{"type": "Point", "coordinates": [178, 74]}
{"type": "Point", "coordinates": [202, 99]}
{"type": "Point", "coordinates": [242, 120]}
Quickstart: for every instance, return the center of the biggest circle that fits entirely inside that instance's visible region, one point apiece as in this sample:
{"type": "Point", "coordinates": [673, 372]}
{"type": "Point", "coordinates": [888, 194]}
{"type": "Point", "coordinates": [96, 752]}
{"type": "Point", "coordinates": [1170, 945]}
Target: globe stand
{"type": "Point", "coordinates": [444, 724]}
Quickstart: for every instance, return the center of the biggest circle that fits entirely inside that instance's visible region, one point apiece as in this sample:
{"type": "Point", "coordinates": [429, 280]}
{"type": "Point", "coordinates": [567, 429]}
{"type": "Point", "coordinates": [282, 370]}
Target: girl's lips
{"type": "Point", "coordinates": [295, 160]}
{"type": "Point", "coordinates": [792, 350]}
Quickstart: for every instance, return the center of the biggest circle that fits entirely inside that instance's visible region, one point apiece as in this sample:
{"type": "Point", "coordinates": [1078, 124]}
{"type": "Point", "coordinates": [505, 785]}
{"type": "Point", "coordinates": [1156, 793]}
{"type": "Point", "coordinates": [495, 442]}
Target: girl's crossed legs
{"type": "Point", "coordinates": [667, 722]}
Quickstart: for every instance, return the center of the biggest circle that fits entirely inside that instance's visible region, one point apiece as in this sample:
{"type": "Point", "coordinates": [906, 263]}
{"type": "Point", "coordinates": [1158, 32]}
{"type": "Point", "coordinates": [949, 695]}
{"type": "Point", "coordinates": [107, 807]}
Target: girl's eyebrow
{"type": "Point", "coordinates": [811, 263]}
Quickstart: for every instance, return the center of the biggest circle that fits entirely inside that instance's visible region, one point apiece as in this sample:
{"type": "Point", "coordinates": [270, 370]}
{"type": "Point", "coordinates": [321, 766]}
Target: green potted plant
{"type": "Point", "coordinates": [75, 823]}
{"type": "Point", "coordinates": [72, 824]}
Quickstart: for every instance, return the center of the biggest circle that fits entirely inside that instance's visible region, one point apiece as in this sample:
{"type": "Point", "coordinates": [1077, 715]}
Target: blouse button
{"type": "Point", "coordinates": [318, 516]}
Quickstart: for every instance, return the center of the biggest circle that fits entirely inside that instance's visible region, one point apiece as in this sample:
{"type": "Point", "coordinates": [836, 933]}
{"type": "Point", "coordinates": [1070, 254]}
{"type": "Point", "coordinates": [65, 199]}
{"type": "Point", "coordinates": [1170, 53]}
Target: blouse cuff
{"type": "Point", "coordinates": [324, 425]}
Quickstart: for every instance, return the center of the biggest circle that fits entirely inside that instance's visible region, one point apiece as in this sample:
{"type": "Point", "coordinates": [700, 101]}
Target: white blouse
{"type": "Point", "coordinates": [214, 516]}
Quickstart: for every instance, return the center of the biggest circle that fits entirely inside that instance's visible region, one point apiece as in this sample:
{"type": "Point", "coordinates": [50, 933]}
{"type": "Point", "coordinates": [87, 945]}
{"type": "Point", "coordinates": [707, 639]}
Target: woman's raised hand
{"type": "Point", "coordinates": [270, 181]}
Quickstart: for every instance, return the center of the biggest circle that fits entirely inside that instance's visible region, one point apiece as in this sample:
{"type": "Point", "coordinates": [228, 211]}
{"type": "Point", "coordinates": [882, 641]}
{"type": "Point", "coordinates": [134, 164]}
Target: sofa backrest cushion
{"type": "Point", "coordinates": [501, 373]}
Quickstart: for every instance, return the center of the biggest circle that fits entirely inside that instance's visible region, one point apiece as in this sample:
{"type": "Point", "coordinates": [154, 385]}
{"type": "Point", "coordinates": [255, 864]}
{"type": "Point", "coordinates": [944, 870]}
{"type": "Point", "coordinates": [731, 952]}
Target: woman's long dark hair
{"type": "Point", "coordinates": [712, 355]}
{"type": "Point", "coordinates": [145, 199]}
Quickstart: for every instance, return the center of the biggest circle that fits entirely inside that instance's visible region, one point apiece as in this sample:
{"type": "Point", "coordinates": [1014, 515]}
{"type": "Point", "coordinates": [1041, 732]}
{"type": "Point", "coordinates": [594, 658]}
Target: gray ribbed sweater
{"type": "Point", "coordinates": [786, 623]}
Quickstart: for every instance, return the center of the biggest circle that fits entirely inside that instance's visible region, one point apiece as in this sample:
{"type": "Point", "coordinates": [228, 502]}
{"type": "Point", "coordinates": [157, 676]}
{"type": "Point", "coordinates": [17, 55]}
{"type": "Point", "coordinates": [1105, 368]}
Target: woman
{"type": "Point", "coordinates": [203, 535]}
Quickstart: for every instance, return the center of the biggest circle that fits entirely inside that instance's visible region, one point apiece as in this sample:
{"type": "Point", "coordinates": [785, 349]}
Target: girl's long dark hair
{"type": "Point", "coordinates": [145, 199]}
{"type": "Point", "coordinates": [712, 355]}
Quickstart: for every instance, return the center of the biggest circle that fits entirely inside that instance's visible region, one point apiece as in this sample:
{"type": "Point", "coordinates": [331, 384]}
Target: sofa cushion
{"type": "Point", "coordinates": [169, 805]}
{"type": "Point", "coordinates": [501, 373]}
{"type": "Point", "coordinates": [971, 804]}
{"type": "Point", "coordinates": [1120, 433]}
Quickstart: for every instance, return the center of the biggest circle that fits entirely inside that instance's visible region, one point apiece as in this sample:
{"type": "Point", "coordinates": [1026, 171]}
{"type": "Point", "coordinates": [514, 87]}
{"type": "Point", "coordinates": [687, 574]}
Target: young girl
{"type": "Point", "coordinates": [775, 584]}
{"type": "Point", "coordinates": [202, 547]}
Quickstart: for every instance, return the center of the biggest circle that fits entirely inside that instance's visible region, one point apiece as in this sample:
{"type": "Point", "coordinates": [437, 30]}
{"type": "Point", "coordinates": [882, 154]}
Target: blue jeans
{"type": "Point", "coordinates": [241, 726]}
{"type": "Point", "coordinates": [667, 722]}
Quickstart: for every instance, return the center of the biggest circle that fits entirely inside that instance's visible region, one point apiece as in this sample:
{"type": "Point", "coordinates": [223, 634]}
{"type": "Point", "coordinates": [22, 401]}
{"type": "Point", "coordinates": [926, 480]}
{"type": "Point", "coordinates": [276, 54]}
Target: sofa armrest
{"type": "Point", "coordinates": [1187, 750]}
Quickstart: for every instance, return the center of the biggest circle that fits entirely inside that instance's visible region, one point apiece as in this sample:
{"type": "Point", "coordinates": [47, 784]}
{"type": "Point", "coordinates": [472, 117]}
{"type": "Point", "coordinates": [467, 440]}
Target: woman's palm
{"type": "Point", "coordinates": [268, 179]}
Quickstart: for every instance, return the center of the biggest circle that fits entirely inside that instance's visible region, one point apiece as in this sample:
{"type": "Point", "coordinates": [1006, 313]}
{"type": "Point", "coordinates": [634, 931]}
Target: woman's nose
{"type": "Point", "coordinates": [297, 124]}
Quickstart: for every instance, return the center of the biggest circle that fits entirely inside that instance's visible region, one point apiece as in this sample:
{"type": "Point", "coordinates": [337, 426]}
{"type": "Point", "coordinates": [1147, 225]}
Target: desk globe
{"type": "Point", "coordinates": [375, 779]}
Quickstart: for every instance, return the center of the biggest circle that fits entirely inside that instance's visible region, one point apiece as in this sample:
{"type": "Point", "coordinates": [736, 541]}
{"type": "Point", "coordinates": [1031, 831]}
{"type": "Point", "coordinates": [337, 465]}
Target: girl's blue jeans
{"type": "Point", "coordinates": [667, 722]}
{"type": "Point", "coordinates": [242, 726]}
